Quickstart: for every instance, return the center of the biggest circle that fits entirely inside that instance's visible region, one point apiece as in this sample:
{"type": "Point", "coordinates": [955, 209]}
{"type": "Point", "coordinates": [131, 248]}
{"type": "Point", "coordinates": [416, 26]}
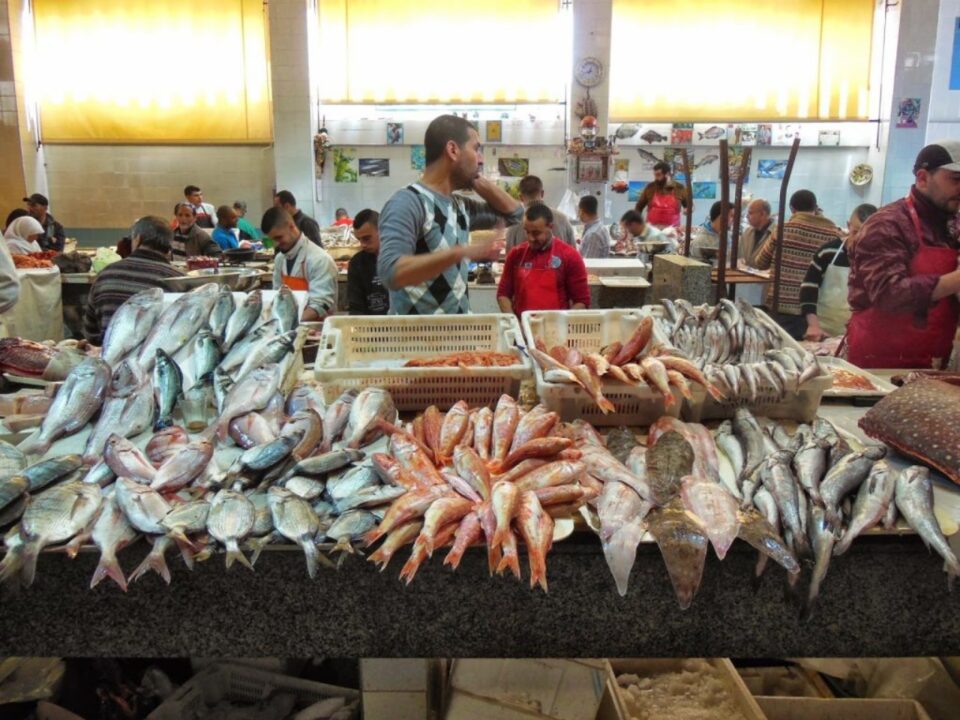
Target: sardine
{"type": "Point", "coordinates": [715, 507]}
{"type": "Point", "coordinates": [295, 520]}
{"type": "Point", "coordinates": [683, 545]}
{"type": "Point", "coordinates": [230, 520]}
{"type": "Point", "coordinates": [370, 405]}
{"type": "Point", "coordinates": [873, 499]}
{"type": "Point", "coordinates": [284, 309]}
{"type": "Point", "coordinates": [243, 318]}
{"type": "Point", "coordinates": [914, 498]}
{"type": "Point", "coordinates": [111, 533]}
{"type": "Point", "coordinates": [130, 324]}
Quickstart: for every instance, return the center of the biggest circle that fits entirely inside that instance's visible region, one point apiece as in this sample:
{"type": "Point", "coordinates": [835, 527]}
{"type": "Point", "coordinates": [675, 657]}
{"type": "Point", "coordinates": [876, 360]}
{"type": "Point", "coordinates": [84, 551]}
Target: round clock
{"type": "Point", "coordinates": [589, 72]}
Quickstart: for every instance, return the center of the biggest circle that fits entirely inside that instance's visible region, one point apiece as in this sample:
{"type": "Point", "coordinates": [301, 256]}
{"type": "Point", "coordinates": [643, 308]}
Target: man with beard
{"type": "Point", "coordinates": [662, 198]}
{"type": "Point", "coordinates": [425, 248]}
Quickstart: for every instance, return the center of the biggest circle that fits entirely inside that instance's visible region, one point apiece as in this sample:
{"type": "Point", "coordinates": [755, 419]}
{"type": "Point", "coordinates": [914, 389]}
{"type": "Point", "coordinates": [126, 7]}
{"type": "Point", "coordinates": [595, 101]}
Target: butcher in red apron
{"type": "Point", "coordinates": [543, 273]}
{"type": "Point", "coordinates": [903, 272]}
{"type": "Point", "coordinates": [663, 198]}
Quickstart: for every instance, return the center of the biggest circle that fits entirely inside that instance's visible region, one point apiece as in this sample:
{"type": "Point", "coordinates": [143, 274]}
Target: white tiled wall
{"type": "Point", "coordinates": [944, 115]}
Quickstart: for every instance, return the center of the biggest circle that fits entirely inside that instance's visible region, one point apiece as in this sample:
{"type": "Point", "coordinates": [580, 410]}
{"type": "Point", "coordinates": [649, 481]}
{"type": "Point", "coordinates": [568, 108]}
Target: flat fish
{"type": "Point", "coordinates": [683, 545]}
{"type": "Point", "coordinates": [622, 515]}
{"type": "Point", "coordinates": [668, 461]}
{"type": "Point", "coordinates": [716, 508]}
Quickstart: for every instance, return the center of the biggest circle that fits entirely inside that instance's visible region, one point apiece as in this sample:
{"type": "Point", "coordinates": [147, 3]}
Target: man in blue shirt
{"type": "Point", "coordinates": [595, 242]}
{"type": "Point", "coordinates": [226, 234]}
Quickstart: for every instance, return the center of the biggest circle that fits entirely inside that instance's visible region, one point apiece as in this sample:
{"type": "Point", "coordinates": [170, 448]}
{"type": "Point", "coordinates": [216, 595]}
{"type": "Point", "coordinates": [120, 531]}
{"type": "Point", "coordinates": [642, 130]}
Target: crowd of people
{"type": "Point", "coordinates": [889, 282]}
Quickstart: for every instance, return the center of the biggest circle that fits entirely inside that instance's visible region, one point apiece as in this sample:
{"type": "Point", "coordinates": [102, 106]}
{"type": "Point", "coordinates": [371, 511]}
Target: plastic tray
{"type": "Point", "coordinates": [589, 331]}
{"type": "Point", "coordinates": [240, 684]}
{"type": "Point", "coordinates": [363, 351]}
{"type": "Point", "coordinates": [883, 387]}
{"type": "Point", "coordinates": [800, 406]}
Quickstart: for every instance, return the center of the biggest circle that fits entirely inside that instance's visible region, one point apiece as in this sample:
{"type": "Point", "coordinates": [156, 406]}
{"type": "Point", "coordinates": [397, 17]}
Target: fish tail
{"type": "Point", "coordinates": [28, 563]}
{"type": "Point", "coordinates": [162, 422]}
{"type": "Point", "coordinates": [454, 557]}
{"type": "Point", "coordinates": [493, 558]}
{"type": "Point", "coordinates": [186, 550]}
{"type": "Point", "coordinates": [153, 561]}
{"type": "Point", "coordinates": [311, 554]}
{"type": "Point", "coordinates": [233, 553]}
{"type": "Point", "coordinates": [605, 405]}
{"type": "Point", "coordinates": [372, 536]}
{"type": "Point", "coordinates": [409, 570]}
{"type": "Point", "coordinates": [381, 557]}
{"type": "Point", "coordinates": [257, 545]}
{"type": "Point", "coordinates": [10, 565]}
{"type": "Point", "coordinates": [509, 562]}
{"type": "Point", "coordinates": [538, 569]}
{"type": "Point", "coordinates": [108, 567]}
{"type": "Point", "coordinates": [715, 392]}
{"type": "Point", "coordinates": [498, 538]}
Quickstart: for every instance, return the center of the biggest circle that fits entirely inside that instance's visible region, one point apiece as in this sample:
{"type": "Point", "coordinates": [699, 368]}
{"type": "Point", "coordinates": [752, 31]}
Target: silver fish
{"type": "Point", "coordinates": [243, 318]}
{"type": "Point", "coordinates": [241, 349]}
{"type": "Point", "coordinates": [822, 539]}
{"type": "Point", "coordinates": [370, 497]}
{"type": "Point", "coordinates": [251, 430]}
{"type": "Point", "coordinates": [810, 462]}
{"type": "Point", "coordinates": [326, 463]}
{"type": "Point", "coordinates": [251, 393]}
{"type": "Point", "coordinates": [284, 309]}
{"type": "Point", "coordinates": [186, 518]}
{"type": "Point", "coordinates": [293, 518]}
{"type": "Point", "coordinates": [304, 397]}
{"type": "Point", "coordinates": [45, 472]}
{"type": "Point", "coordinates": [762, 535]}
{"type": "Point", "coordinates": [336, 417]}
{"type": "Point", "coordinates": [263, 457]}
{"type": "Point", "coordinates": [351, 482]}
{"type": "Point", "coordinates": [184, 467]}
{"type": "Point", "coordinates": [370, 405]}
{"type": "Point", "coordinates": [12, 461]}
{"type": "Point", "coordinates": [167, 388]}
{"type": "Point", "coordinates": [127, 409]}
{"type": "Point", "coordinates": [222, 310]}
{"type": "Point", "coordinates": [178, 323]}
{"type": "Point", "coordinates": [55, 515]}
{"type": "Point", "coordinates": [111, 533]}
{"type": "Point", "coordinates": [747, 429]}
{"type": "Point", "coordinates": [205, 357]}
{"type": "Point", "coordinates": [914, 498]}
{"type": "Point", "coordinates": [778, 479]}
{"type": "Point", "coordinates": [263, 521]}
{"type": "Point", "coordinates": [11, 489]}
{"type": "Point", "coordinates": [305, 487]}
{"type": "Point", "coordinates": [130, 324]}
{"type": "Point", "coordinates": [873, 499]}
{"type": "Point", "coordinates": [80, 396]}
{"type": "Point", "coordinates": [126, 460]}
{"type": "Point", "coordinates": [230, 520]}
{"type": "Point", "coordinates": [845, 477]}
{"type": "Point", "coordinates": [271, 350]}
{"type": "Point", "coordinates": [155, 561]}
{"type": "Point", "coordinates": [144, 508]}
{"type": "Point", "coordinates": [349, 527]}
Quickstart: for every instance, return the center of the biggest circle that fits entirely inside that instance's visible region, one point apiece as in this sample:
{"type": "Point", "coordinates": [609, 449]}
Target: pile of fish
{"type": "Point", "coordinates": [491, 475]}
{"type": "Point", "coordinates": [812, 486]}
{"type": "Point", "coordinates": [740, 350]}
{"type": "Point", "coordinates": [270, 467]}
{"type": "Point", "coordinates": [639, 362]}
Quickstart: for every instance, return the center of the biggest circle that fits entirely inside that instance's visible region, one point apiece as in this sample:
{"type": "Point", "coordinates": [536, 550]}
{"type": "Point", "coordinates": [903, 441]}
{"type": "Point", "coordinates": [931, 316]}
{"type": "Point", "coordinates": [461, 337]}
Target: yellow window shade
{"type": "Point", "coordinates": [740, 59]}
{"type": "Point", "coordinates": [397, 51]}
{"type": "Point", "coordinates": [158, 71]}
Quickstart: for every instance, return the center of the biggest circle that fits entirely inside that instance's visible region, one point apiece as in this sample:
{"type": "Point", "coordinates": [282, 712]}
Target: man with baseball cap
{"type": "Point", "coordinates": [53, 236]}
{"type": "Point", "coordinates": [903, 271]}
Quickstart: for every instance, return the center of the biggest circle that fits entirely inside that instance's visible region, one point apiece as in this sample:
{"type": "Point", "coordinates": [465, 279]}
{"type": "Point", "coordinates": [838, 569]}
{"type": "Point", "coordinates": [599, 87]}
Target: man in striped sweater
{"type": "Point", "coordinates": [803, 234]}
{"type": "Point", "coordinates": [146, 267]}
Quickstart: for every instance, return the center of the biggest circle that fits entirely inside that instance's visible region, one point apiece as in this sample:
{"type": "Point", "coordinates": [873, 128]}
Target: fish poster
{"type": "Point", "coordinates": [784, 133]}
{"type": "Point", "coordinates": [375, 167]}
{"type": "Point", "coordinates": [764, 134]}
{"type": "Point", "coordinates": [648, 159]}
{"type": "Point", "coordinates": [510, 186]}
{"type": "Point", "coordinates": [772, 169]}
{"type": "Point", "coordinates": [705, 190]}
{"type": "Point", "coordinates": [513, 167]}
{"type": "Point", "coordinates": [674, 158]}
{"type": "Point", "coordinates": [908, 113]}
{"type": "Point", "coordinates": [746, 135]}
{"type": "Point", "coordinates": [621, 165]}
{"type": "Point", "coordinates": [682, 134]}
{"type": "Point", "coordinates": [704, 134]}
{"type": "Point", "coordinates": [493, 131]}
{"type": "Point", "coordinates": [636, 187]}
{"type": "Point", "coordinates": [735, 156]}
{"type": "Point", "coordinates": [655, 135]}
{"type": "Point", "coordinates": [418, 157]}
{"type": "Point", "coordinates": [829, 138]}
{"type": "Point", "coordinates": [345, 166]}
{"type": "Point", "coordinates": [394, 133]}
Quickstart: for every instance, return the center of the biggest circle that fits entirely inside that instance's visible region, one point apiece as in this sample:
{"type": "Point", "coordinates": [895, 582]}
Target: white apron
{"type": "Point", "coordinates": [833, 310]}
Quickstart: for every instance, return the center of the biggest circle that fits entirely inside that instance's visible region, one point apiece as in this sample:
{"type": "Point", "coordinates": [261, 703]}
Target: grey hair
{"type": "Point", "coordinates": [154, 233]}
{"type": "Point", "coordinates": [764, 205]}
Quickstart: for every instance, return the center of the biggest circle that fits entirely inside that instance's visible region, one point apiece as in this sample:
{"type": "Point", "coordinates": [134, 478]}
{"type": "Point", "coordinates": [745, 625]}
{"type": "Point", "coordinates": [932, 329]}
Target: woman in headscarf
{"type": "Point", "coordinates": [22, 235]}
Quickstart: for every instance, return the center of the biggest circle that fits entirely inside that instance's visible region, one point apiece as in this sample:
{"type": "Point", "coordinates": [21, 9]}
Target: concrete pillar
{"type": "Point", "coordinates": [12, 183]}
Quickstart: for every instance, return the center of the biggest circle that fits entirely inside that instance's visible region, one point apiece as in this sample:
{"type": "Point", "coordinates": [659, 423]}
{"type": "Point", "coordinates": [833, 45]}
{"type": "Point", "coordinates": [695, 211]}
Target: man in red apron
{"type": "Point", "coordinates": [543, 273]}
{"type": "Point", "coordinates": [663, 199]}
{"type": "Point", "coordinates": [903, 271]}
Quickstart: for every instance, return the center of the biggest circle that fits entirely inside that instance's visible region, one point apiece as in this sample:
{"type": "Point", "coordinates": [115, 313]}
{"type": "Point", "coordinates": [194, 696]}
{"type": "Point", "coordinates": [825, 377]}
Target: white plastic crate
{"type": "Point", "coordinates": [589, 331]}
{"type": "Point", "coordinates": [364, 351]}
{"type": "Point", "coordinates": [801, 406]}
{"type": "Point", "coordinates": [236, 683]}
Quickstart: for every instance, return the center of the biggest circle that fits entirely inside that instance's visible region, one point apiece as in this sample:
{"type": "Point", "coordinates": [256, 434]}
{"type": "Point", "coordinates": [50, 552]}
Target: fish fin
{"type": "Point", "coordinates": [311, 554]}
{"type": "Point", "coordinates": [10, 565]}
{"type": "Point", "coordinates": [509, 562]}
{"type": "Point", "coordinates": [409, 570]}
{"type": "Point", "coordinates": [538, 570]}
{"type": "Point", "coordinates": [153, 561]}
{"type": "Point", "coordinates": [28, 562]}
{"type": "Point", "coordinates": [715, 392]}
{"type": "Point", "coordinates": [668, 399]}
{"type": "Point", "coordinates": [73, 547]}
{"type": "Point", "coordinates": [257, 545]}
{"type": "Point", "coordinates": [493, 559]}
{"type": "Point", "coordinates": [234, 553]}
{"type": "Point", "coordinates": [605, 405]}
{"type": "Point", "coordinates": [186, 550]}
{"type": "Point", "coordinates": [381, 558]}
{"type": "Point", "coordinates": [108, 567]}
{"type": "Point", "coordinates": [453, 558]}
{"type": "Point", "coordinates": [372, 536]}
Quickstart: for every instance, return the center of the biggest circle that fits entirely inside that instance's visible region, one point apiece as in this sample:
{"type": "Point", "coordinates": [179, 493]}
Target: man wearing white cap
{"type": "Point", "coordinates": [903, 271]}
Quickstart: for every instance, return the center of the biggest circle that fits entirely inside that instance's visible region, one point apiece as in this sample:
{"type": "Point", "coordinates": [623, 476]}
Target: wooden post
{"type": "Point", "coordinates": [778, 248]}
{"type": "Point", "coordinates": [689, 183]}
{"type": "Point", "coordinates": [724, 213]}
{"type": "Point", "coordinates": [737, 214]}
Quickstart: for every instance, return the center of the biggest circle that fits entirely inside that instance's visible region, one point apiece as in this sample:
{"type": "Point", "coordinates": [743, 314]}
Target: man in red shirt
{"type": "Point", "coordinates": [543, 273]}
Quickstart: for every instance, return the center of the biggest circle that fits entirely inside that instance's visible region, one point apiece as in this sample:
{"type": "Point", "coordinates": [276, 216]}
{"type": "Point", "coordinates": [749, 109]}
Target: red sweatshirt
{"type": "Point", "coordinates": [572, 281]}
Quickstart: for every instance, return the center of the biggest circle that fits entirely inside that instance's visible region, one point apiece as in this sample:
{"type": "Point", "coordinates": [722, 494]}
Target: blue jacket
{"type": "Point", "coordinates": [225, 238]}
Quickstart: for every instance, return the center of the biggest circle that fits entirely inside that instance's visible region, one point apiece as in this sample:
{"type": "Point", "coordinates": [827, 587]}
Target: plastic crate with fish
{"type": "Point", "coordinates": [363, 351]}
{"type": "Point", "coordinates": [224, 683]}
{"type": "Point", "coordinates": [590, 331]}
{"type": "Point", "coordinates": [801, 405]}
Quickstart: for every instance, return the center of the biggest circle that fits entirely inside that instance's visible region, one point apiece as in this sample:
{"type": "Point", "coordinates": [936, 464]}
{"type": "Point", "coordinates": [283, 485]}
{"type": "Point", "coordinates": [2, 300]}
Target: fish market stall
{"type": "Point", "coordinates": [218, 501]}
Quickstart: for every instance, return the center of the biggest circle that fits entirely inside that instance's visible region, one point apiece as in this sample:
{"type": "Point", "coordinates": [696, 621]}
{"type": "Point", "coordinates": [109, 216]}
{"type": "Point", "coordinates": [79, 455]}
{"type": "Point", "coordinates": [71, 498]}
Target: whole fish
{"type": "Point", "coordinates": [414, 461]}
{"type": "Point", "coordinates": [845, 477]}
{"type": "Point", "coordinates": [668, 461]}
{"type": "Point", "coordinates": [810, 462]}
{"type": "Point", "coordinates": [186, 519]}
{"type": "Point", "coordinates": [305, 487]}
{"type": "Point", "coordinates": [873, 499]}
{"type": "Point", "coordinates": [506, 417]}
{"type": "Point", "coordinates": [270, 350]}
{"type": "Point", "coordinates": [253, 392]}
{"type": "Point", "coordinates": [559, 472]}
{"type": "Point", "coordinates": [605, 467]}
{"type": "Point", "coordinates": [350, 527]}
{"type": "Point", "coordinates": [184, 467]}
{"type": "Point", "coordinates": [127, 460]}
{"type": "Point", "coordinates": [223, 308]}
{"type": "Point", "coordinates": [504, 497]}
{"type": "Point", "coordinates": [230, 520]}
{"type": "Point", "coordinates": [712, 133]}
{"type": "Point", "coordinates": [757, 530]}
{"type": "Point", "coordinates": [655, 372]}
{"type": "Point", "coordinates": [637, 342]}
{"type": "Point", "coordinates": [372, 497]}
{"type": "Point", "coordinates": [822, 539]}
{"type": "Point", "coordinates": [536, 528]}
{"type": "Point", "coordinates": [410, 506]}
{"type": "Point", "coordinates": [403, 535]}
{"type": "Point", "coordinates": [652, 136]}
{"type": "Point", "coordinates": [627, 130]}
{"type": "Point", "coordinates": [747, 429]}
{"type": "Point", "coordinates": [167, 388]}
{"type": "Point", "coordinates": [452, 430]}
{"type": "Point", "coordinates": [205, 358]}
{"type": "Point", "coordinates": [12, 460]}
{"type": "Point", "coordinates": [469, 532]}
{"type": "Point", "coordinates": [111, 533]}
{"type": "Point", "coordinates": [351, 482]}
{"type": "Point", "coordinates": [127, 409]}
{"type": "Point", "coordinates": [535, 424]}
{"type": "Point", "coordinates": [683, 545]}
{"type": "Point", "coordinates": [263, 457]}
{"type": "Point", "coordinates": [326, 463]}
{"type": "Point", "coordinates": [233, 359]}
{"type": "Point", "coordinates": [471, 468]}
{"type": "Point", "coordinates": [51, 470]}
{"type": "Point", "coordinates": [295, 520]}
{"type": "Point", "coordinates": [250, 430]}
{"type": "Point", "coordinates": [443, 512]}
{"type": "Point", "coordinates": [304, 397]}
{"type": "Point", "coordinates": [243, 318]}
{"type": "Point", "coordinates": [716, 508]}
{"type": "Point", "coordinates": [544, 447]}
{"type": "Point", "coordinates": [728, 444]}
{"type": "Point", "coordinates": [391, 473]}
{"type": "Point", "coordinates": [306, 428]}
{"type": "Point", "coordinates": [80, 396]}
{"type": "Point", "coordinates": [370, 405]}
{"type": "Point", "coordinates": [164, 444]}
{"type": "Point", "coordinates": [182, 319]}
{"type": "Point", "coordinates": [284, 309]}
{"type": "Point", "coordinates": [130, 324]}
{"type": "Point", "coordinates": [53, 516]}
{"type": "Point", "coordinates": [778, 479]}
{"type": "Point", "coordinates": [914, 498]}
{"type": "Point", "coordinates": [143, 507]}
{"type": "Point", "coordinates": [336, 417]}
{"type": "Point", "coordinates": [622, 515]}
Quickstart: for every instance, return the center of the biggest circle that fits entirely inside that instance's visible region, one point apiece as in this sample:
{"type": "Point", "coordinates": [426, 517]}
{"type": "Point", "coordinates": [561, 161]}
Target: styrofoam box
{"type": "Point", "coordinates": [524, 689]}
{"type": "Point", "coordinates": [782, 708]}
{"type": "Point", "coordinates": [728, 674]}
{"type": "Point", "coordinates": [589, 331]}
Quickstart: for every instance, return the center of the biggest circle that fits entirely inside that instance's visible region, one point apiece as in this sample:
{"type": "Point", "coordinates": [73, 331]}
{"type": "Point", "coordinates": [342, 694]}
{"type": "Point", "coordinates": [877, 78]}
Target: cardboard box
{"type": "Point", "coordinates": [527, 689]}
{"type": "Point", "coordinates": [395, 706]}
{"type": "Point", "coordinates": [784, 681]}
{"type": "Point", "coordinates": [781, 708]}
{"type": "Point", "coordinates": [724, 668]}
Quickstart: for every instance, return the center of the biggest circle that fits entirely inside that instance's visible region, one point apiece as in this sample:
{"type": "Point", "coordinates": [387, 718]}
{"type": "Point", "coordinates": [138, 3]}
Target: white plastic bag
{"type": "Point", "coordinates": [568, 204]}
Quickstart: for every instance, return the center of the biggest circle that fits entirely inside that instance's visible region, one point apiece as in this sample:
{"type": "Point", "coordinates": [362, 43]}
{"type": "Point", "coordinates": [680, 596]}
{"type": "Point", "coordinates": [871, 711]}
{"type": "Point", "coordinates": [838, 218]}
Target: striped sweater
{"type": "Point", "coordinates": [142, 270]}
{"type": "Point", "coordinates": [803, 235]}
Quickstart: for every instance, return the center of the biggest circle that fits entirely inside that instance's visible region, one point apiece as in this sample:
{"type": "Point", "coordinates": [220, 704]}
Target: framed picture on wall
{"type": "Point", "coordinates": [591, 169]}
{"type": "Point", "coordinates": [494, 131]}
